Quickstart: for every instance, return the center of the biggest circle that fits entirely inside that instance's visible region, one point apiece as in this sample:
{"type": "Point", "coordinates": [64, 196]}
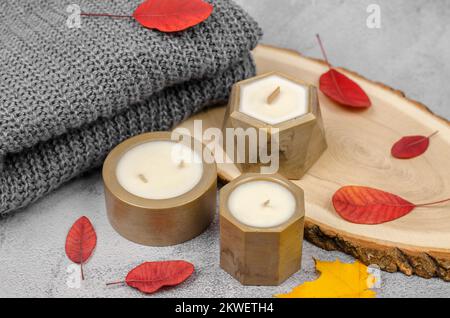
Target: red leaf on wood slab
{"type": "Point", "coordinates": [364, 205]}
{"type": "Point", "coordinates": [149, 277]}
{"type": "Point", "coordinates": [341, 88]}
{"type": "Point", "coordinates": [80, 242]}
{"type": "Point", "coordinates": [411, 146]}
{"type": "Point", "coordinates": [172, 15]}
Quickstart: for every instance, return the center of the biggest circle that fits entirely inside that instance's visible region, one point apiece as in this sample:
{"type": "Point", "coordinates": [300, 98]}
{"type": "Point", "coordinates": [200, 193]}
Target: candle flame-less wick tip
{"type": "Point", "coordinates": [274, 95]}
{"type": "Point", "coordinates": [266, 203]}
{"type": "Point", "coordinates": [181, 164]}
{"type": "Point", "coordinates": [143, 178]}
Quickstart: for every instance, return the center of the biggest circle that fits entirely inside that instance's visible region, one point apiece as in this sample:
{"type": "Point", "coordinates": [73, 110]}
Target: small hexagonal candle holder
{"type": "Point", "coordinates": [275, 103]}
{"type": "Point", "coordinates": [261, 229]}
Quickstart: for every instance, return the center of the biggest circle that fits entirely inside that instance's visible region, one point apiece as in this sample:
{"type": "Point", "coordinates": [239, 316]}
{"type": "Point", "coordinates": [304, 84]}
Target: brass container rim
{"type": "Point", "coordinates": [236, 113]}
{"type": "Point", "coordinates": [250, 177]}
{"type": "Point", "coordinates": [111, 182]}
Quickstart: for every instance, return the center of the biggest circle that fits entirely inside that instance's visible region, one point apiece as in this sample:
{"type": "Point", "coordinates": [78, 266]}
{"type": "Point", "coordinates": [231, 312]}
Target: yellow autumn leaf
{"type": "Point", "coordinates": [337, 280]}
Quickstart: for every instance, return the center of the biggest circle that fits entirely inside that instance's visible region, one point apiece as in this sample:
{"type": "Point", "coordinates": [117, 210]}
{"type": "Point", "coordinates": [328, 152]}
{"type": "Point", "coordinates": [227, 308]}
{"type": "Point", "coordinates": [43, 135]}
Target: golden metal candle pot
{"type": "Point", "coordinates": [261, 256]}
{"type": "Point", "coordinates": [301, 139]}
{"type": "Point", "coordinates": [161, 222]}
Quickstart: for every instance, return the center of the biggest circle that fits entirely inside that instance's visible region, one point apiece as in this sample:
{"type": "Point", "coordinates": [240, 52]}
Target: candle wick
{"type": "Point", "coordinates": [274, 95]}
{"type": "Point", "coordinates": [143, 178]}
{"type": "Point", "coordinates": [181, 164]}
{"type": "Point", "coordinates": [267, 203]}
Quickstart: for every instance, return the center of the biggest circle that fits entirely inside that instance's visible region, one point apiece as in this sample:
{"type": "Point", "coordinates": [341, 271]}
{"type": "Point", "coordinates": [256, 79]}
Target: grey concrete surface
{"type": "Point", "coordinates": [410, 52]}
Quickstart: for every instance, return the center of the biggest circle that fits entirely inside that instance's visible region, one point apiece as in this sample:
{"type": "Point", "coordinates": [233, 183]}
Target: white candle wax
{"type": "Point", "coordinates": [290, 103]}
{"type": "Point", "coordinates": [262, 204]}
{"type": "Point", "coordinates": [159, 170]}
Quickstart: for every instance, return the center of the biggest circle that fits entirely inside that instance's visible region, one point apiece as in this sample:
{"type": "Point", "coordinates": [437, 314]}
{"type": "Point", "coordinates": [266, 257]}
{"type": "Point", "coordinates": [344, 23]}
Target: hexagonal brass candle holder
{"type": "Point", "coordinates": [301, 139]}
{"type": "Point", "coordinates": [261, 256]}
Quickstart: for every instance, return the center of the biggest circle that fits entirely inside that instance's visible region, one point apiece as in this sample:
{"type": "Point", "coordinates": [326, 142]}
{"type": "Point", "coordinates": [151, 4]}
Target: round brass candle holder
{"type": "Point", "coordinates": [261, 256]}
{"type": "Point", "coordinates": [159, 222]}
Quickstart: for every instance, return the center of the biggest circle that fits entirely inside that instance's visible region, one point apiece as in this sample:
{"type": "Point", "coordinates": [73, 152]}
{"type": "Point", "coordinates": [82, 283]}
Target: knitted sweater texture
{"type": "Point", "coordinates": [69, 95]}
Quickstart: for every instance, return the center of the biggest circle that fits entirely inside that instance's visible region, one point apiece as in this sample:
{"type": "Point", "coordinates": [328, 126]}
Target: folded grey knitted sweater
{"type": "Point", "coordinates": [69, 95]}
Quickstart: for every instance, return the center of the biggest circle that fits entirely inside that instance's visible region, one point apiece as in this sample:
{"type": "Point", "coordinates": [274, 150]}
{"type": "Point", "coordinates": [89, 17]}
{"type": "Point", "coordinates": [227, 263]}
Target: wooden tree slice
{"type": "Point", "coordinates": [359, 144]}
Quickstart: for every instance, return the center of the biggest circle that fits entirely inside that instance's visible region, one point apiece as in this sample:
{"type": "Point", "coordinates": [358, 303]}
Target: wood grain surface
{"type": "Point", "coordinates": [358, 153]}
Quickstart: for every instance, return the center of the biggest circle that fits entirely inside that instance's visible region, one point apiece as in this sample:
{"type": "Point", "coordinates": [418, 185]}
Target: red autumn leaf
{"type": "Point", "coordinates": [149, 277]}
{"type": "Point", "coordinates": [172, 15]}
{"type": "Point", "coordinates": [364, 205]}
{"type": "Point", "coordinates": [80, 242]}
{"type": "Point", "coordinates": [340, 88]}
{"type": "Point", "coordinates": [411, 146]}
{"type": "Point", "coordinates": [343, 90]}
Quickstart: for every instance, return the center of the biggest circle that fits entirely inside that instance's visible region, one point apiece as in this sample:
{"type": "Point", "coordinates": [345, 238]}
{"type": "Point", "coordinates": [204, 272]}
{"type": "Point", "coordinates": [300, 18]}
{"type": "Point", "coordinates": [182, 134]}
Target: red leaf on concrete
{"type": "Point", "coordinates": [80, 242]}
{"type": "Point", "coordinates": [411, 146]}
{"type": "Point", "coordinates": [149, 277]}
{"type": "Point", "coordinates": [364, 205]}
{"type": "Point", "coordinates": [172, 15]}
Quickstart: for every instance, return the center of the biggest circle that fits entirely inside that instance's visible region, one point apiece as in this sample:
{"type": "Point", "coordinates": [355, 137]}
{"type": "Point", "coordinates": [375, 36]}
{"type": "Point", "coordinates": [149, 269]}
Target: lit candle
{"type": "Point", "coordinates": [273, 99]}
{"type": "Point", "coordinates": [262, 204]}
{"type": "Point", "coordinates": [159, 170]}
{"type": "Point", "coordinates": [159, 192]}
{"type": "Point", "coordinates": [261, 228]}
